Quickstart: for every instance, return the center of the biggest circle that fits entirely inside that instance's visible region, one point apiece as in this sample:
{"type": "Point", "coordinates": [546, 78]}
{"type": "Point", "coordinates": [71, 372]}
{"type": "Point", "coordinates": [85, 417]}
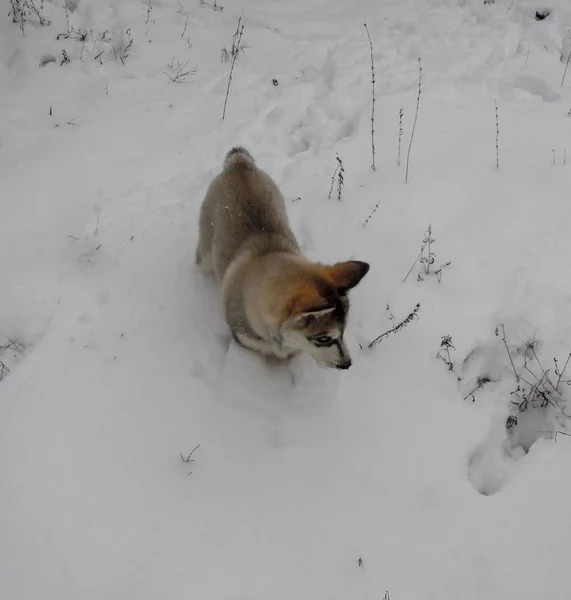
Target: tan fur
{"type": "Point", "coordinates": [273, 297]}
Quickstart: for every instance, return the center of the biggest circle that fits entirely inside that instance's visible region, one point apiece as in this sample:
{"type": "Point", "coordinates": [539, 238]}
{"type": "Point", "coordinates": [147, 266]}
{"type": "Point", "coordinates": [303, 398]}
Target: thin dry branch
{"type": "Point", "coordinates": [415, 117]}
{"type": "Point", "coordinates": [497, 138]}
{"type": "Point", "coordinates": [373, 97]}
{"type": "Point", "coordinates": [181, 73]}
{"type": "Point", "coordinates": [408, 319]}
{"type": "Point", "coordinates": [566, 67]}
{"type": "Point", "coordinates": [503, 336]}
{"type": "Point", "coordinates": [239, 31]}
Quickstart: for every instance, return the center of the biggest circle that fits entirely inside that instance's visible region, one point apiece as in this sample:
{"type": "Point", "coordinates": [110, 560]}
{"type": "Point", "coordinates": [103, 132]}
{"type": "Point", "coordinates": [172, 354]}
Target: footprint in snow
{"type": "Point", "coordinates": [522, 423]}
{"type": "Point", "coordinates": [536, 87]}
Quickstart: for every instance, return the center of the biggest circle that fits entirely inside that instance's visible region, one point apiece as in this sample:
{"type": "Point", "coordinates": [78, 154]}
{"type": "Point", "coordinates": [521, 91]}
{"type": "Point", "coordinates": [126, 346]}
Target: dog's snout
{"type": "Point", "coordinates": [345, 364]}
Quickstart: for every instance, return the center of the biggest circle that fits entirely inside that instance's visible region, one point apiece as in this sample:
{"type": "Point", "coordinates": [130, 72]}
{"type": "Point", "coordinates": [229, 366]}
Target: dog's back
{"type": "Point", "coordinates": [243, 207]}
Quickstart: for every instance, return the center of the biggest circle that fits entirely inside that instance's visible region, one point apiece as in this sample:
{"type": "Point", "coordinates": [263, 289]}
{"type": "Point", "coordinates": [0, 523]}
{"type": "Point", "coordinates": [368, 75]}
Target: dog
{"type": "Point", "coordinates": [276, 302]}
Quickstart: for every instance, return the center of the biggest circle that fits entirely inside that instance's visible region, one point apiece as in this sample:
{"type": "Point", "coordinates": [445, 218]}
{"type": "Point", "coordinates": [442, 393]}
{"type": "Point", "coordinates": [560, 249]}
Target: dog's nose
{"type": "Point", "coordinates": [344, 365]}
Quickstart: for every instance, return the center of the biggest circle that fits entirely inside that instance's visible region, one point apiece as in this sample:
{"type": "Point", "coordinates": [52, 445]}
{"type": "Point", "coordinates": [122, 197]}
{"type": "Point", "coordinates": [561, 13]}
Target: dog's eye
{"type": "Point", "coordinates": [323, 340]}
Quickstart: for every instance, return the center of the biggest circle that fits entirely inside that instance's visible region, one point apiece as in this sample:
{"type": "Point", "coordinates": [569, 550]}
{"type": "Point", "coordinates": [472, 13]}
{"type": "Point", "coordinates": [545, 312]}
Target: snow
{"type": "Point", "coordinates": [123, 359]}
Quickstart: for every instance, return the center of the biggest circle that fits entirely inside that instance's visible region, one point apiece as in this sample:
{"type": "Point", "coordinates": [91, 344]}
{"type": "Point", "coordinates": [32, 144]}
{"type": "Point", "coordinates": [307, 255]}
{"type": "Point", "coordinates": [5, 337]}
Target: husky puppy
{"type": "Point", "coordinates": [276, 301]}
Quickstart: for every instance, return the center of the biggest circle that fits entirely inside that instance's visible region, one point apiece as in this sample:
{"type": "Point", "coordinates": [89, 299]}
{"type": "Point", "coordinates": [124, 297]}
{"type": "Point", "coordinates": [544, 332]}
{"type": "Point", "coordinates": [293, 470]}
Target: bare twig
{"type": "Point", "coordinates": [189, 459]}
{"type": "Point", "coordinates": [410, 317]}
{"type": "Point", "coordinates": [480, 382]}
{"type": "Point", "coordinates": [566, 67]}
{"type": "Point", "coordinates": [391, 316]}
{"type": "Point", "coordinates": [340, 178]}
{"type": "Point", "coordinates": [561, 373]}
{"type": "Point", "coordinates": [375, 208]}
{"type": "Point", "coordinates": [373, 97]}
{"type": "Point", "coordinates": [556, 433]}
{"type": "Point", "coordinates": [444, 352]}
{"type": "Point", "coordinates": [415, 117]}
{"type": "Point", "coordinates": [503, 336]}
{"type": "Point", "coordinates": [333, 181]}
{"type": "Point", "coordinates": [428, 259]}
{"type": "Point", "coordinates": [414, 263]}
{"type": "Point", "coordinates": [497, 137]}
{"type": "Point", "coordinates": [4, 370]}
{"type": "Point", "coordinates": [239, 31]}
{"type": "Point", "coordinates": [438, 272]}
{"type": "Point", "coordinates": [68, 28]}
{"type": "Point", "coordinates": [215, 7]}
{"type": "Point", "coordinates": [340, 174]}
{"type": "Point", "coordinates": [185, 26]}
{"type": "Point", "coordinates": [20, 10]}
{"type": "Point", "coordinates": [36, 11]}
{"type": "Point", "coordinates": [531, 345]}
{"type": "Point", "coordinates": [13, 344]}
{"type": "Point", "coordinates": [540, 391]}
{"type": "Point", "coordinates": [123, 53]}
{"type": "Point", "coordinates": [149, 9]}
{"type": "Point", "coordinates": [79, 35]}
{"type": "Point", "coordinates": [401, 114]}
{"type": "Point", "coordinates": [181, 72]}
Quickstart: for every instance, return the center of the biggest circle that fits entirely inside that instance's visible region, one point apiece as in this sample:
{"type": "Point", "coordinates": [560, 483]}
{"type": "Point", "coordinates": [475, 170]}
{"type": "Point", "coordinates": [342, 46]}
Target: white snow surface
{"type": "Point", "coordinates": [388, 477]}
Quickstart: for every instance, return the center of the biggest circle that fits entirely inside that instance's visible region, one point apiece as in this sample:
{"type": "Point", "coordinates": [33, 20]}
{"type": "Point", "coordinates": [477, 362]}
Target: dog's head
{"type": "Point", "coordinates": [315, 313]}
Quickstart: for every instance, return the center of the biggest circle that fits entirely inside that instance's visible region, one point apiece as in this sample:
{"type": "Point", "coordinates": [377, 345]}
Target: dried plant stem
{"type": "Point", "coordinates": [340, 174]}
{"type": "Point", "coordinates": [401, 114]}
{"type": "Point", "coordinates": [333, 181]}
{"type": "Point", "coordinates": [181, 73]}
{"type": "Point", "coordinates": [373, 167]}
{"type": "Point", "coordinates": [68, 27]}
{"type": "Point", "coordinates": [239, 30]}
{"type": "Point", "coordinates": [415, 117]}
{"type": "Point", "coordinates": [414, 263]}
{"type": "Point", "coordinates": [566, 67]}
{"type": "Point", "coordinates": [501, 325]}
{"type": "Point", "coordinates": [4, 370]}
{"type": "Point", "coordinates": [554, 433]}
{"type": "Point", "coordinates": [497, 138]}
{"type": "Point", "coordinates": [375, 208]}
{"type": "Point", "coordinates": [185, 26]}
{"type": "Point", "coordinates": [422, 246]}
{"type": "Point", "coordinates": [562, 372]}
{"type": "Point", "coordinates": [340, 178]}
{"type": "Point", "coordinates": [410, 317]}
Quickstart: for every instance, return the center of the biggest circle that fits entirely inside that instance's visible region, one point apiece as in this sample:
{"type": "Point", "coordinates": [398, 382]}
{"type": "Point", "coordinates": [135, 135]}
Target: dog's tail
{"type": "Point", "coordinates": [238, 156]}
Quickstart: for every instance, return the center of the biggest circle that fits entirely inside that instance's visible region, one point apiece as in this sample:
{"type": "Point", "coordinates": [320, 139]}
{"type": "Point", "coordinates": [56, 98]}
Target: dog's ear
{"type": "Point", "coordinates": [309, 316]}
{"type": "Point", "coordinates": [346, 275]}
{"type": "Point", "coordinates": [306, 305]}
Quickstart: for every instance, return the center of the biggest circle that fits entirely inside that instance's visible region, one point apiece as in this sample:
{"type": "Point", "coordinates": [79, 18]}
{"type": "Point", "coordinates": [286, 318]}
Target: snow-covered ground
{"type": "Point", "coordinates": [389, 476]}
